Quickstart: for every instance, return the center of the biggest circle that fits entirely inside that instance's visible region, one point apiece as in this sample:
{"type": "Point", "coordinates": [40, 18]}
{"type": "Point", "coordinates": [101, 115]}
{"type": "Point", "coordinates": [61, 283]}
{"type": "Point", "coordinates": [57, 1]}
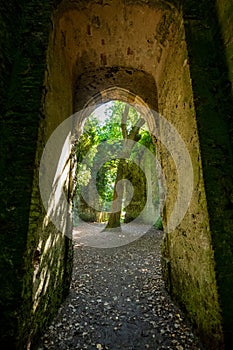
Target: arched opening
{"type": "Point", "coordinates": [184, 49]}
{"type": "Point", "coordinates": [84, 64]}
{"type": "Point", "coordinates": [120, 130]}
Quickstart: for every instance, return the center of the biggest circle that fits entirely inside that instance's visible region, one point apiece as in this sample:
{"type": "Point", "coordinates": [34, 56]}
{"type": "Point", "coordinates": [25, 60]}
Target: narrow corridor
{"type": "Point", "coordinates": [118, 301]}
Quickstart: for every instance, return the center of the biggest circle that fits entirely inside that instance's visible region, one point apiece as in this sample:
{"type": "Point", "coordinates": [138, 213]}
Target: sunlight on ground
{"type": "Point", "coordinates": [92, 234]}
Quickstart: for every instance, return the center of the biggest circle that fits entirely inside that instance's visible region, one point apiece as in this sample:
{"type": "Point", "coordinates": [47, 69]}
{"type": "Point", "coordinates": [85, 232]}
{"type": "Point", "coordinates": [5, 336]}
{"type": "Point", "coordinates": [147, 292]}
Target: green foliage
{"type": "Point", "coordinates": [146, 140]}
{"type": "Point", "coordinates": [159, 224]}
{"type": "Point", "coordinates": [86, 148]}
{"type": "Point", "coordinates": [106, 178]}
{"type": "Point", "coordinates": [105, 125]}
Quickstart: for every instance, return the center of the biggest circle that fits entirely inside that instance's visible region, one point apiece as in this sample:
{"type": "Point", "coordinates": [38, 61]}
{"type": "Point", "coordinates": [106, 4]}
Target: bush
{"type": "Point", "coordinates": [159, 224]}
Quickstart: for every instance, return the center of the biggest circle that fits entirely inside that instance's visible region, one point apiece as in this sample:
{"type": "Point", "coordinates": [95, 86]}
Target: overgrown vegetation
{"type": "Point", "coordinates": [108, 128]}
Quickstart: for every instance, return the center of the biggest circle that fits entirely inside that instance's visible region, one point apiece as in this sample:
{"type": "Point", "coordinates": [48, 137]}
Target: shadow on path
{"type": "Point", "coordinates": [117, 301]}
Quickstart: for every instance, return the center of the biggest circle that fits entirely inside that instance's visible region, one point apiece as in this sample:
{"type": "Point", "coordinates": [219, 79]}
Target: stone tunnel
{"type": "Point", "coordinates": [176, 58]}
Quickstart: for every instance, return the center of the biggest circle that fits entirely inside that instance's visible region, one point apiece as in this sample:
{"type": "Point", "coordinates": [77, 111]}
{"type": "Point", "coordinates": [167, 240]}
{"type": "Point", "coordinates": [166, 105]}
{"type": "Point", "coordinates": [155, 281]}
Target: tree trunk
{"type": "Point", "coordinates": [114, 220]}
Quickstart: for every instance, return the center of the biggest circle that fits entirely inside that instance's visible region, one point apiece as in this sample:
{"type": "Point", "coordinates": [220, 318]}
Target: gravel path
{"type": "Point", "coordinates": [117, 301]}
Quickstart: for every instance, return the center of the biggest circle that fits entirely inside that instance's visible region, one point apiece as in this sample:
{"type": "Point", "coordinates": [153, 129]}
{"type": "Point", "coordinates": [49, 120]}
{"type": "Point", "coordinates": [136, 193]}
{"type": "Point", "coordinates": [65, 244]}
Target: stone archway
{"type": "Point", "coordinates": [150, 48]}
{"type": "Point", "coordinates": [90, 51]}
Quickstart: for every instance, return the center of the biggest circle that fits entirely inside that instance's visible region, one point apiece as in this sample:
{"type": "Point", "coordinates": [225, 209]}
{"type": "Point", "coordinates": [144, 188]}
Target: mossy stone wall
{"type": "Point", "coordinates": [188, 254]}
{"type": "Point", "coordinates": [43, 52]}
{"type": "Point", "coordinates": [210, 69]}
{"type": "Point", "coordinates": [24, 38]}
{"type": "Point", "coordinates": [10, 222]}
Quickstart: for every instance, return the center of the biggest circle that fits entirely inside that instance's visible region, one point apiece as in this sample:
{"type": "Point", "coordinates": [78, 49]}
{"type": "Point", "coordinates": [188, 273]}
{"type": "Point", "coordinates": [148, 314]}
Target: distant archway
{"type": "Point", "coordinates": [146, 161]}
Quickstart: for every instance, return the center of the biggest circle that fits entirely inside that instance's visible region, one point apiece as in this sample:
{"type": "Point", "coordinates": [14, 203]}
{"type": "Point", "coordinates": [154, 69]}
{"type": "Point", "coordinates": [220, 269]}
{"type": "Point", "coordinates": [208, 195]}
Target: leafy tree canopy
{"type": "Point", "coordinates": [105, 125]}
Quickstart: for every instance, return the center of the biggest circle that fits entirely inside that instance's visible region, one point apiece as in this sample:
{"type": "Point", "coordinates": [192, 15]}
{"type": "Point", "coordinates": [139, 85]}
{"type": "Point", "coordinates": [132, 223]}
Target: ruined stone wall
{"type": "Point", "coordinates": [10, 218]}
{"type": "Point", "coordinates": [224, 33]}
{"type": "Point", "coordinates": [188, 257]}
{"type": "Point", "coordinates": [143, 47]}
{"type": "Point", "coordinates": [99, 41]}
{"type": "Point", "coordinates": [209, 66]}
{"type": "Point", "coordinates": [49, 242]}
{"type": "Point", "coordinates": [224, 10]}
{"type": "Point", "coordinates": [24, 310]}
